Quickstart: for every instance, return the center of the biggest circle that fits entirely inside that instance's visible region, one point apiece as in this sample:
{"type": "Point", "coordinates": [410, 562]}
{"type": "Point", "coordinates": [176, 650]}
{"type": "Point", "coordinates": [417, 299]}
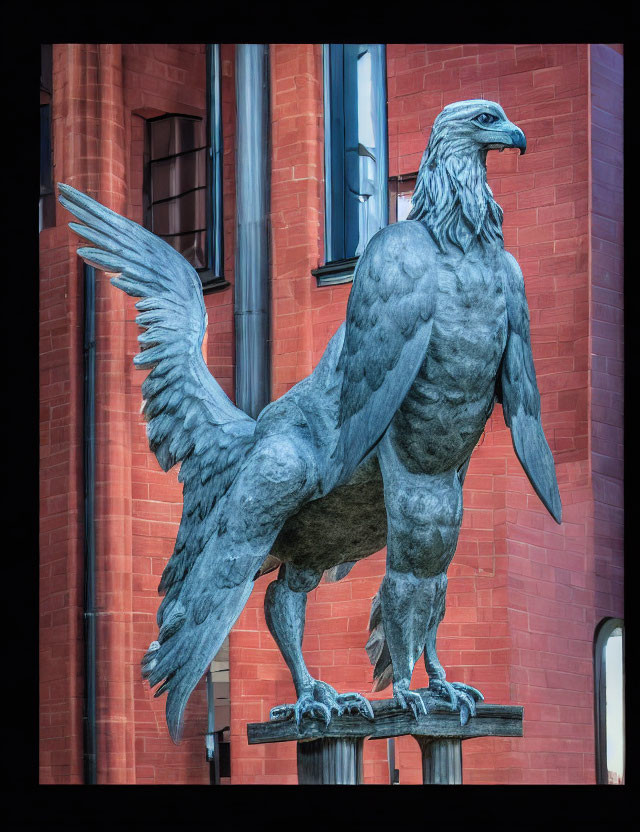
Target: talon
{"type": "Point", "coordinates": [469, 701]}
{"type": "Point", "coordinates": [411, 699]}
{"type": "Point", "coordinates": [320, 702]}
{"type": "Point", "coordinates": [463, 697]}
{"type": "Point", "coordinates": [324, 712]}
{"type": "Point", "coordinates": [475, 693]}
{"type": "Point", "coordinates": [281, 712]}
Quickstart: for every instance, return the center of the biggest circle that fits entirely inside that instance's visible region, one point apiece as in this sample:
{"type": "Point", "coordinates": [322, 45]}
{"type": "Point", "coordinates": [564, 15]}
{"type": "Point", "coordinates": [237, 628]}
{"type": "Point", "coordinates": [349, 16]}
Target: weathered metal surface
{"type": "Point", "coordinates": [251, 281]}
{"type": "Point", "coordinates": [390, 720]}
{"type": "Point", "coordinates": [330, 761]}
{"type": "Point", "coordinates": [441, 761]}
{"type": "Point", "coordinates": [373, 445]}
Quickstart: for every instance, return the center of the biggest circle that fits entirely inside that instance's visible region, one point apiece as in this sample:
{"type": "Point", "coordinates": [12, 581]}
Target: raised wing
{"type": "Point", "coordinates": [517, 390]}
{"type": "Point", "coordinates": [388, 326]}
{"type": "Point", "coordinates": [189, 417]}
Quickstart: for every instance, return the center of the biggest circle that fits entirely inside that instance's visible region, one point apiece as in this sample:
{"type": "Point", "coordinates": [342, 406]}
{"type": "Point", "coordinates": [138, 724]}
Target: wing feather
{"type": "Point", "coordinates": [520, 398]}
{"type": "Point", "coordinates": [388, 326]}
{"type": "Point", "coordinates": [190, 420]}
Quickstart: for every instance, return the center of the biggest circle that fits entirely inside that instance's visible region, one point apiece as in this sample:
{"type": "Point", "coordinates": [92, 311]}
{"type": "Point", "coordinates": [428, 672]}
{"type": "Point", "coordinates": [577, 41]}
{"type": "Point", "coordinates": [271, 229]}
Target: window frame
{"type": "Point", "coordinates": [212, 274]}
{"type": "Point", "coordinates": [602, 634]}
{"type": "Point", "coordinates": [340, 134]}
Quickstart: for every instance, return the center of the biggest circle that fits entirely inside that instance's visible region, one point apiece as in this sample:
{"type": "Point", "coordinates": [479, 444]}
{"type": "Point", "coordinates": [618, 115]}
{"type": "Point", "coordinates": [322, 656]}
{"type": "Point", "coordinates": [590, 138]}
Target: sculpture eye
{"type": "Point", "coordinates": [486, 118]}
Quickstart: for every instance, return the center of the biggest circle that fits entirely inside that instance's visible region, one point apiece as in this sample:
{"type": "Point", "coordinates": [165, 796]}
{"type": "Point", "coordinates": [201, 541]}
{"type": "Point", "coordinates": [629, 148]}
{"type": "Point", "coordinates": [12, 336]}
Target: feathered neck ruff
{"type": "Point", "coordinates": [452, 196]}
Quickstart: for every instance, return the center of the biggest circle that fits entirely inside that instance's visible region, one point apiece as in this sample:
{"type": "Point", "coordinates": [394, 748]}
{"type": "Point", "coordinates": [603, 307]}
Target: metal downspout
{"type": "Point", "coordinates": [89, 467]}
{"type": "Point", "coordinates": [253, 171]}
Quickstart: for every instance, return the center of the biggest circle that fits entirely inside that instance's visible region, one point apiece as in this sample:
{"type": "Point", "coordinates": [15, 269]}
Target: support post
{"type": "Point", "coordinates": [441, 761]}
{"type": "Point", "coordinates": [332, 754]}
{"type": "Point", "coordinates": [330, 761]}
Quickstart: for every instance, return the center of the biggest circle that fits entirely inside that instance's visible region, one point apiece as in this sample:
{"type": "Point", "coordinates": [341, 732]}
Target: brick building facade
{"type": "Point", "coordinates": [525, 595]}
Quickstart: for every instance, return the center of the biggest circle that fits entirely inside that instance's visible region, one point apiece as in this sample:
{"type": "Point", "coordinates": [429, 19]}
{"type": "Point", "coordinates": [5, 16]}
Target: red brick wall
{"type": "Point", "coordinates": [607, 335]}
{"type": "Point", "coordinates": [61, 507]}
{"type": "Point", "coordinates": [101, 97]}
{"type": "Point", "coordinates": [519, 620]}
{"type": "Point", "coordinates": [524, 594]}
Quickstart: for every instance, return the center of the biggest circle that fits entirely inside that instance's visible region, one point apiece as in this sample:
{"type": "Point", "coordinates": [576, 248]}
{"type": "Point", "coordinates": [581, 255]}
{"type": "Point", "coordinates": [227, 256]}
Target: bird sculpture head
{"type": "Point", "coordinates": [452, 196]}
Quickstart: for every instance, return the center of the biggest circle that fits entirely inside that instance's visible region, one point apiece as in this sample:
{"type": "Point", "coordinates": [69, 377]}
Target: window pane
{"type": "Point", "coordinates": [614, 707]}
{"type": "Point", "coordinates": [365, 108]}
{"type": "Point", "coordinates": [162, 180]}
{"type": "Point", "coordinates": [404, 206]}
{"type": "Point", "coordinates": [176, 135]}
{"type": "Point", "coordinates": [191, 247]}
{"type": "Point", "coordinates": [172, 177]}
{"type": "Point", "coordinates": [161, 133]}
{"type": "Point", "coordinates": [189, 134]}
{"type": "Point", "coordinates": [191, 171]}
{"type": "Point", "coordinates": [357, 198]}
{"type": "Point", "coordinates": [184, 214]}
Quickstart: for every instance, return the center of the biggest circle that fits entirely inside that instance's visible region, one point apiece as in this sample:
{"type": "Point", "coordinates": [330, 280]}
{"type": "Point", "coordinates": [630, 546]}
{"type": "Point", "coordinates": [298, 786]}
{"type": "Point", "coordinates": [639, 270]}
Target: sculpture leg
{"type": "Point", "coordinates": [424, 513]}
{"type": "Point", "coordinates": [284, 608]}
{"type": "Point", "coordinates": [460, 695]}
{"type": "Point", "coordinates": [406, 600]}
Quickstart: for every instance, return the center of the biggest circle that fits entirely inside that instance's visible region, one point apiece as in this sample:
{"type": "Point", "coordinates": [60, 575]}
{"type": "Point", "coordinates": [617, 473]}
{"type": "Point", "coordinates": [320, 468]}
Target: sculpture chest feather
{"type": "Point", "coordinates": [444, 413]}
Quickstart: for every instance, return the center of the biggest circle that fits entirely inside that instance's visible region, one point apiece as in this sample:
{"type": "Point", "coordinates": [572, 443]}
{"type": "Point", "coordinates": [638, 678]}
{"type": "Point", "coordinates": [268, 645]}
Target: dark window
{"type": "Point", "coordinates": [183, 181]}
{"type": "Point", "coordinates": [46, 207]}
{"type": "Point", "coordinates": [356, 163]}
{"type": "Point", "coordinates": [178, 184]}
{"type": "Point", "coordinates": [609, 701]}
{"type": "Point", "coordinates": [401, 190]}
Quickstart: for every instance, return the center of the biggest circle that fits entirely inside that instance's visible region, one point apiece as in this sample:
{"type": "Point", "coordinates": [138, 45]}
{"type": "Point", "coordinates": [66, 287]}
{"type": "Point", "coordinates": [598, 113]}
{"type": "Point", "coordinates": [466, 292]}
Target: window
{"type": "Point", "coordinates": [219, 716]}
{"type": "Point", "coordinates": [183, 181]}
{"type": "Point", "coordinates": [401, 190]}
{"type": "Point", "coordinates": [178, 184]}
{"type": "Point", "coordinates": [47, 205]}
{"type": "Point", "coordinates": [609, 701]}
{"type": "Point", "coordinates": [356, 164]}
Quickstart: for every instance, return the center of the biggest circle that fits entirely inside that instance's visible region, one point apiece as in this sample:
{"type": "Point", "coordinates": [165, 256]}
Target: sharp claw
{"type": "Point", "coordinates": [281, 712]}
{"type": "Point", "coordinates": [472, 706]}
{"type": "Point", "coordinates": [470, 691]}
{"type": "Point", "coordinates": [468, 706]}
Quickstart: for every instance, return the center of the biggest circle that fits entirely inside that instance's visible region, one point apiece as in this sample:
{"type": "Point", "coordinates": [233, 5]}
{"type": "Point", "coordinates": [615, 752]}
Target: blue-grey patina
{"type": "Point", "coordinates": [372, 447]}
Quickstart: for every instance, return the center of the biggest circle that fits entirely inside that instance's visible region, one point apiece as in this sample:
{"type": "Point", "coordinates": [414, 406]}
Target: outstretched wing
{"type": "Point", "coordinates": [517, 390]}
{"type": "Point", "coordinates": [189, 417]}
{"type": "Point", "coordinates": [388, 326]}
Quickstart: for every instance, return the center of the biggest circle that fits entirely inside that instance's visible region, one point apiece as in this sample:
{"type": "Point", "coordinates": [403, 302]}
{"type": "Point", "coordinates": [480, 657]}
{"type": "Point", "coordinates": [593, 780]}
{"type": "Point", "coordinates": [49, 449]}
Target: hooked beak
{"type": "Point", "coordinates": [518, 138]}
{"type": "Point", "coordinates": [511, 136]}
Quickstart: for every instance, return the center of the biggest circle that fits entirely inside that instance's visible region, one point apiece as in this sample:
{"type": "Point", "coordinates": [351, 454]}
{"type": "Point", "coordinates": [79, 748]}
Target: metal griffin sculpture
{"type": "Point", "coordinates": [371, 448]}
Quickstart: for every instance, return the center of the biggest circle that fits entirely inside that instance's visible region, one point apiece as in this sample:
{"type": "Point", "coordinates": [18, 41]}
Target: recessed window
{"type": "Point", "coordinates": [177, 184]}
{"type": "Point", "coordinates": [356, 155]}
{"type": "Point", "coordinates": [609, 702]}
{"type": "Point", "coordinates": [183, 181]}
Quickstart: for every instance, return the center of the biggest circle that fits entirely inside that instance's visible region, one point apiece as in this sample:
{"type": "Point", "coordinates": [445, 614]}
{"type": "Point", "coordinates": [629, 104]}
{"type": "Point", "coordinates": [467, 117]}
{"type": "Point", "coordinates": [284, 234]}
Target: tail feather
{"type": "Point", "coordinates": [184, 655]}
